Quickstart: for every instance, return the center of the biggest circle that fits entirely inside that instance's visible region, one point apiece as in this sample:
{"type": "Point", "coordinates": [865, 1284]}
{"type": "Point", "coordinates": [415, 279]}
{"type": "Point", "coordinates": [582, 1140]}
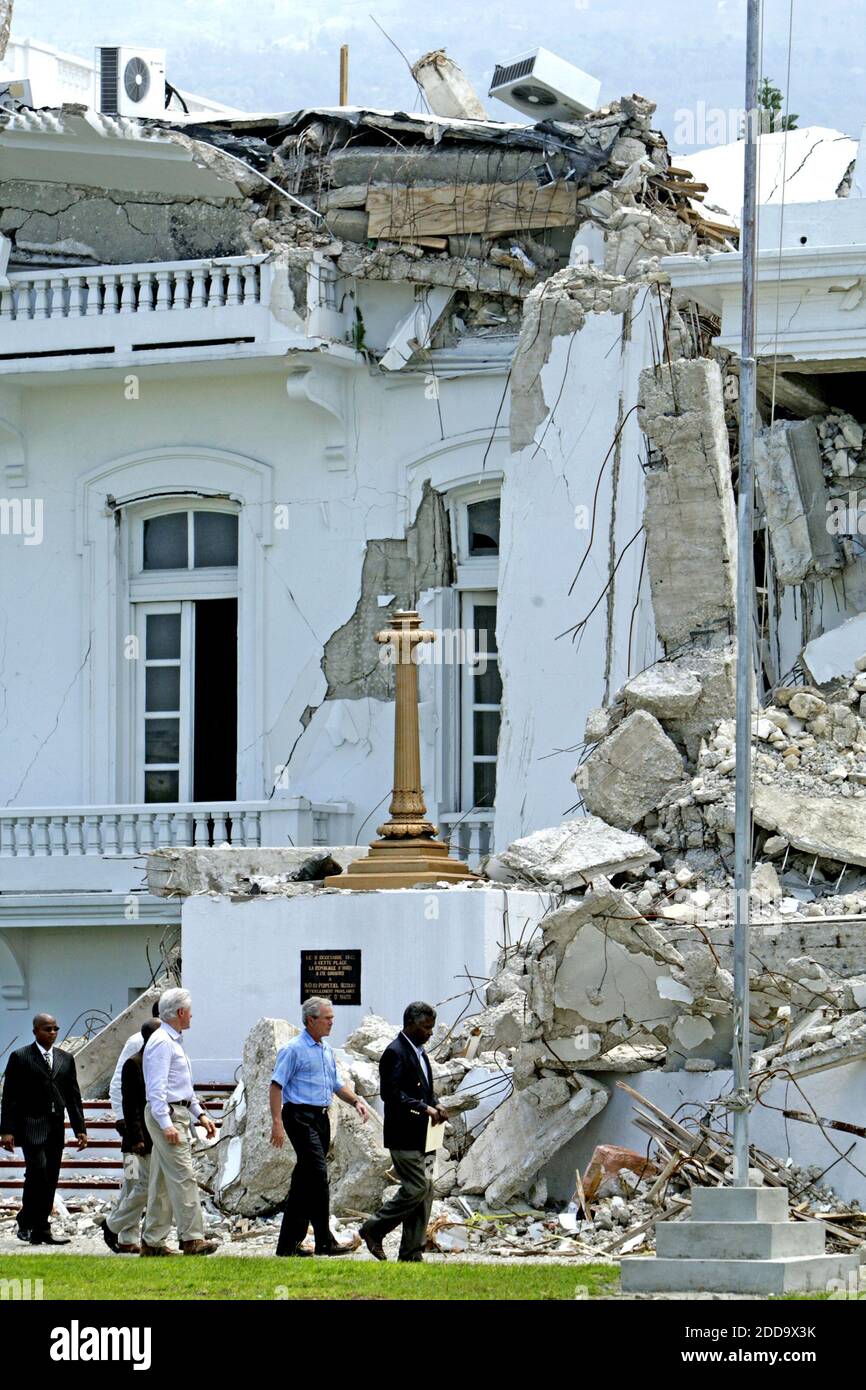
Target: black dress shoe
{"type": "Point", "coordinates": [108, 1236]}
{"type": "Point", "coordinates": [374, 1246]}
{"type": "Point", "coordinates": [296, 1253]}
{"type": "Point", "coordinates": [46, 1238]}
{"type": "Point", "coordinates": [335, 1249]}
{"type": "Point", "coordinates": [23, 1233]}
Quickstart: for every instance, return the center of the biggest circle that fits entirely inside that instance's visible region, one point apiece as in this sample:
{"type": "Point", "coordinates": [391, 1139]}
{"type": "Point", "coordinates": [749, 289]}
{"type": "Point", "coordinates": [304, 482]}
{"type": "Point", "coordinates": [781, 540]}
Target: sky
{"type": "Point", "coordinates": [686, 55]}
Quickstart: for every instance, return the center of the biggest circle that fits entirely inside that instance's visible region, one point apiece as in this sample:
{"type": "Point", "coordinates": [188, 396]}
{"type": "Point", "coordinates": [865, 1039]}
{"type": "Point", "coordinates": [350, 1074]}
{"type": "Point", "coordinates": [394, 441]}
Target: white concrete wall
{"type": "Point", "coordinates": [73, 970]}
{"type": "Point", "coordinates": [241, 960]}
{"type": "Point", "coordinates": [552, 680]}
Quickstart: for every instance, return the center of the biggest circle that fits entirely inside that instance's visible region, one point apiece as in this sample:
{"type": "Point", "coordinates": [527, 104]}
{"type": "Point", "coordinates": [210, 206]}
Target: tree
{"type": "Point", "coordinates": [770, 105]}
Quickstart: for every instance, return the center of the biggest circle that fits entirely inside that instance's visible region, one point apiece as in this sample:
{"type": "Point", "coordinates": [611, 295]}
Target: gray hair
{"type": "Point", "coordinates": [171, 1001]}
{"type": "Point", "coordinates": [312, 1007]}
{"type": "Point", "coordinates": [414, 1013]}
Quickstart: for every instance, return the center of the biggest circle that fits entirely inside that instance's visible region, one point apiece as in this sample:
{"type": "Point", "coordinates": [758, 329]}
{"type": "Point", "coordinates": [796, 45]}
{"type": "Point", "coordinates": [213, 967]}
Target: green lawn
{"type": "Point", "coordinates": [232, 1277]}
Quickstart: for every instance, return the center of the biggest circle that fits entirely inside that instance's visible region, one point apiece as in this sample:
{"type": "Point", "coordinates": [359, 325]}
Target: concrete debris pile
{"type": "Point", "coordinates": [624, 1194]}
{"type": "Point", "coordinates": [636, 976]}
{"type": "Point", "coordinates": [809, 771]}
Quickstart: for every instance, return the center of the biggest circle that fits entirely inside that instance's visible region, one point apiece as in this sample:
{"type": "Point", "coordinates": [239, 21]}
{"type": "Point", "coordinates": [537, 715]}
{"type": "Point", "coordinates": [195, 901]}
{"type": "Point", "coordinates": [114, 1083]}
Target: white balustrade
{"type": "Point", "coordinates": [131, 831]}
{"type": "Point", "coordinates": [90, 292]}
{"type": "Point", "coordinates": [469, 834]}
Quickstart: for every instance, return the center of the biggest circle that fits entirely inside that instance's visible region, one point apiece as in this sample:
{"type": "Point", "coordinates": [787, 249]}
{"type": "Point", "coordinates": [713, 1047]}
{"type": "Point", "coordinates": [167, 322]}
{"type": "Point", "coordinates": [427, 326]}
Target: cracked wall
{"type": "Point", "coordinates": [91, 225]}
{"type": "Point", "coordinates": [399, 568]}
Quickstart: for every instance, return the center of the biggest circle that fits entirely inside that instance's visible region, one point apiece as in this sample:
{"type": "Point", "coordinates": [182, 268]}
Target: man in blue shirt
{"type": "Point", "coordinates": [303, 1084]}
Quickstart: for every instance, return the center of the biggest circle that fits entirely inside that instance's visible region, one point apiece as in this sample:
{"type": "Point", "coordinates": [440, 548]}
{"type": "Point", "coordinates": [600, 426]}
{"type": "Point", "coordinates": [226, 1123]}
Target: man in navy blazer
{"type": "Point", "coordinates": [406, 1087]}
{"type": "Point", "coordinates": [40, 1084]}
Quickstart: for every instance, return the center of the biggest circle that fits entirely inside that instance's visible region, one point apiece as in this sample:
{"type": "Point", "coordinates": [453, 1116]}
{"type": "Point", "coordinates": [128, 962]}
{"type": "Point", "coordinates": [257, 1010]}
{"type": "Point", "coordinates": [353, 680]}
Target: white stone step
{"type": "Point", "coordinates": [739, 1240]}
{"type": "Point", "coordinates": [799, 1274]}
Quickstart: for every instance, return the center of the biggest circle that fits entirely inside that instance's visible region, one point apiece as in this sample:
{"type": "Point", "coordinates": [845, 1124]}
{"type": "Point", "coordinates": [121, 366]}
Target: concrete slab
{"type": "Point", "coordinates": [803, 1274]}
{"type": "Point", "coordinates": [739, 1240]}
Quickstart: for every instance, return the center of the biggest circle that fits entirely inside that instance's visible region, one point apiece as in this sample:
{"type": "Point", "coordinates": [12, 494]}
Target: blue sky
{"type": "Point", "coordinates": [282, 54]}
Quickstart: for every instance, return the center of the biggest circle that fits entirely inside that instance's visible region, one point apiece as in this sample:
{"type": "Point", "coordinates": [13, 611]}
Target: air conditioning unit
{"type": "Point", "coordinates": [14, 92]}
{"type": "Point", "coordinates": [131, 81]}
{"type": "Point", "coordinates": [545, 87]}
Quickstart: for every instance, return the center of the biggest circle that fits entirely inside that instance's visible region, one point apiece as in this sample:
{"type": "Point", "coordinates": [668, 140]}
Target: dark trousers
{"type": "Point", "coordinates": [410, 1206]}
{"type": "Point", "coordinates": [41, 1171]}
{"type": "Point", "coordinates": [309, 1130]}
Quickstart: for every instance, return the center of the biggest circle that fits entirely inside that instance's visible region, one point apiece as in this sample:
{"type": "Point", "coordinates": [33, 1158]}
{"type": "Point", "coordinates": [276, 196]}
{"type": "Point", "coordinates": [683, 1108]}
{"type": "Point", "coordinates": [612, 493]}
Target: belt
{"type": "Point", "coordinates": [306, 1105]}
{"type": "Point", "coordinates": [187, 1103]}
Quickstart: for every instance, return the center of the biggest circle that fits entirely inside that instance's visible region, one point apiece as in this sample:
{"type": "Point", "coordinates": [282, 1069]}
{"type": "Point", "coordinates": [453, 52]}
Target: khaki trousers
{"type": "Point", "coordinates": [124, 1219]}
{"type": "Point", "coordinates": [172, 1193]}
{"type": "Point", "coordinates": [410, 1205]}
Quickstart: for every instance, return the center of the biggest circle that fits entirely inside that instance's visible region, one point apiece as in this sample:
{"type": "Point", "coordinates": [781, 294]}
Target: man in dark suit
{"type": "Point", "coordinates": [40, 1083]}
{"type": "Point", "coordinates": [406, 1087]}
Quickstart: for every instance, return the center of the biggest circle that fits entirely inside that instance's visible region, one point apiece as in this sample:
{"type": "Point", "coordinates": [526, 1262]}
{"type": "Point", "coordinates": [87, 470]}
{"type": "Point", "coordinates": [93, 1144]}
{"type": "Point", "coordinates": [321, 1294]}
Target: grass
{"type": "Point", "coordinates": [74, 1277]}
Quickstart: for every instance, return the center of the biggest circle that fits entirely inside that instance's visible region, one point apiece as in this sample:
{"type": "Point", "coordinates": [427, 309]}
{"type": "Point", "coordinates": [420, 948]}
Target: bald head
{"type": "Point", "coordinates": [45, 1030]}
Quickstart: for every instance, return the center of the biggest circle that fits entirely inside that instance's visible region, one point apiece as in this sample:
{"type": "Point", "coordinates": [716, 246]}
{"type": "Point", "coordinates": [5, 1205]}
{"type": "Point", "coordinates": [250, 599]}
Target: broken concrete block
{"type": "Point", "coordinates": [522, 1137]}
{"type": "Point", "coordinates": [571, 855]}
{"type": "Point", "coordinates": [507, 982]}
{"type": "Point", "coordinates": [665, 690]}
{"type": "Point", "coordinates": [371, 1037]}
{"type": "Point", "coordinates": [180, 871]}
{"type": "Point", "coordinates": [692, 1029]}
{"type": "Point", "coordinates": [689, 514]}
{"type": "Point", "coordinates": [629, 774]}
{"type": "Point", "coordinates": [826, 826]}
{"type": "Point", "coordinates": [791, 478]}
{"type": "Point", "coordinates": [357, 1165]}
{"type": "Point", "coordinates": [501, 1025]}
{"type": "Point", "coordinates": [837, 652]}
{"type": "Point", "coordinates": [765, 884]}
{"type": "Point", "coordinates": [253, 1177]}
{"type": "Point", "coordinates": [597, 726]}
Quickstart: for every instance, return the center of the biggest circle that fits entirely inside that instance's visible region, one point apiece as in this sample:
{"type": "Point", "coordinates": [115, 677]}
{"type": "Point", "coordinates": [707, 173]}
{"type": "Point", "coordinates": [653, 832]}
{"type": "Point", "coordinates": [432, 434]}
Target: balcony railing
{"type": "Point", "coordinates": [469, 833]}
{"type": "Point", "coordinates": [133, 830]}
{"type": "Point", "coordinates": [89, 848]}
{"type": "Point", "coordinates": [125, 308]}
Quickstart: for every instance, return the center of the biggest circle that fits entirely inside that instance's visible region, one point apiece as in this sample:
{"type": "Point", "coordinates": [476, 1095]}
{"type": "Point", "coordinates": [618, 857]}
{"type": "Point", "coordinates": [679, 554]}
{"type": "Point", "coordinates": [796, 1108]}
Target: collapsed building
{"type": "Point", "coordinates": [369, 360]}
{"type": "Point", "coordinates": [511, 377]}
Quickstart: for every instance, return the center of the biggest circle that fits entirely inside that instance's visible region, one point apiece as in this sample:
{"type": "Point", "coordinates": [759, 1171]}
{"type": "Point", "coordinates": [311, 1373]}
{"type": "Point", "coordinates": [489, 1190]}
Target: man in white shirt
{"type": "Point", "coordinates": [130, 1048]}
{"type": "Point", "coordinates": [171, 1109]}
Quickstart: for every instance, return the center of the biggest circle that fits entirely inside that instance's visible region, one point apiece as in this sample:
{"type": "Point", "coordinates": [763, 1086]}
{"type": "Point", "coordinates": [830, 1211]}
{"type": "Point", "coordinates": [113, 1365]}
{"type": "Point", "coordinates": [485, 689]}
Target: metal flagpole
{"type": "Point", "coordinates": [745, 607]}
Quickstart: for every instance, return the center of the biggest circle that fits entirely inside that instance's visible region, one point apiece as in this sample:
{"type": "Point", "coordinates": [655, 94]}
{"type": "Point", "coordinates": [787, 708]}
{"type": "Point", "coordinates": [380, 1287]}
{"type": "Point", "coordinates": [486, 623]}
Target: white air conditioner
{"type": "Point", "coordinates": [15, 90]}
{"type": "Point", "coordinates": [545, 87]}
{"type": "Point", "coordinates": [131, 81]}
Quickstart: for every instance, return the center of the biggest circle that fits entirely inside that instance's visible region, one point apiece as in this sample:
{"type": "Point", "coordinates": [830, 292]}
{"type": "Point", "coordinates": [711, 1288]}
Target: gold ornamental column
{"type": "Point", "coordinates": [408, 852]}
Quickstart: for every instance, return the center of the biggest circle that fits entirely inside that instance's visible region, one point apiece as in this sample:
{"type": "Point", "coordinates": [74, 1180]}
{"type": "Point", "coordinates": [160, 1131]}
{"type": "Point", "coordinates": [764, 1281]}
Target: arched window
{"type": "Point", "coordinates": [183, 588]}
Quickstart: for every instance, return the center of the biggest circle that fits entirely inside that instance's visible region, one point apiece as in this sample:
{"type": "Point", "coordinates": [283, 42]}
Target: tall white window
{"type": "Point", "coordinates": [481, 701]}
{"type": "Point", "coordinates": [475, 696]}
{"type": "Point", "coordinates": [183, 589]}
